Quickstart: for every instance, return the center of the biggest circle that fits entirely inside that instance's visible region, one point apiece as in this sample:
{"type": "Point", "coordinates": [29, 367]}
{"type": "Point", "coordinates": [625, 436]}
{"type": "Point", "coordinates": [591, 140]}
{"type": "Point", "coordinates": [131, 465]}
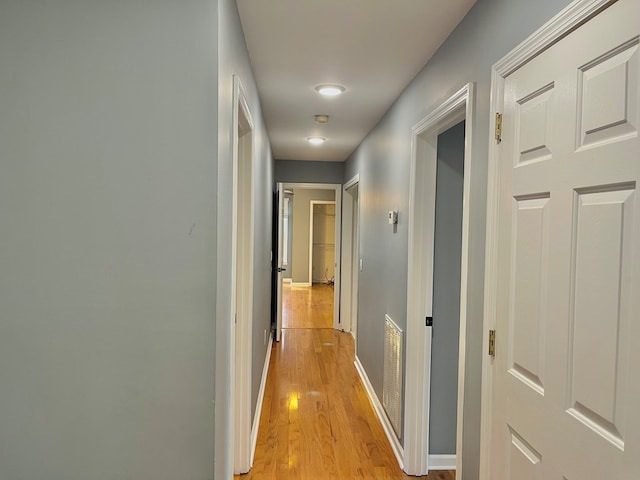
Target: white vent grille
{"type": "Point", "coordinates": [392, 374]}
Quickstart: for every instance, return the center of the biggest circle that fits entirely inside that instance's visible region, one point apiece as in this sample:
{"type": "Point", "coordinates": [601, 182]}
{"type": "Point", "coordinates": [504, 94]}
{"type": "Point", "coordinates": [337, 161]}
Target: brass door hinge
{"type": "Point", "coordinates": [498, 127]}
{"type": "Point", "coordinates": [492, 343]}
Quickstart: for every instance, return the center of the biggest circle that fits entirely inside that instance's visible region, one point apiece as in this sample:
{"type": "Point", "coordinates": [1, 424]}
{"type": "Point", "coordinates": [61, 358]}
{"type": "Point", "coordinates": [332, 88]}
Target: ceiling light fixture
{"type": "Point", "coordinates": [330, 90]}
{"type": "Point", "coordinates": [321, 118]}
{"type": "Point", "coordinates": [316, 140]}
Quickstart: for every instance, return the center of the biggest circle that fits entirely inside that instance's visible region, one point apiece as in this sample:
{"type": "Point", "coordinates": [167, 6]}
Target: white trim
{"type": "Point", "coordinates": [551, 32]}
{"type": "Point", "coordinates": [300, 284]}
{"type": "Point", "coordinates": [337, 283]}
{"type": "Point", "coordinates": [490, 277]}
{"type": "Point", "coordinates": [263, 384]}
{"type": "Point", "coordinates": [352, 182]}
{"type": "Point", "coordinates": [346, 260]}
{"type": "Point", "coordinates": [242, 270]}
{"type": "Point", "coordinates": [464, 272]}
{"type": "Point", "coordinates": [382, 416]}
{"type": "Point", "coordinates": [442, 462]}
{"type": "Point", "coordinates": [349, 276]}
{"type": "Point", "coordinates": [567, 20]}
{"type": "Point", "coordinates": [286, 280]}
{"type": "Point", "coordinates": [420, 276]}
{"type": "Point", "coordinates": [313, 186]}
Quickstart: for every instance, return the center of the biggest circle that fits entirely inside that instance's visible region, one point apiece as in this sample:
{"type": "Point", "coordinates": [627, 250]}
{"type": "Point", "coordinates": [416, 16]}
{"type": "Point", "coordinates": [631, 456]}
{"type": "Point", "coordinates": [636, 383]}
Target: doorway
{"type": "Point", "coordinates": [560, 391]}
{"type": "Point", "coordinates": [322, 242]}
{"type": "Point", "coordinates": [242, 277]}
{"type": "Point", "coordinates": [350, 256]}
{"type": "Point", "coordinates": [299, 264]}
{"type": "Point", "coordinates": [428, 316]}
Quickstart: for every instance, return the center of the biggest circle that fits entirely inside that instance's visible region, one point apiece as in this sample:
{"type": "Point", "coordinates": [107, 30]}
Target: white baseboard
{"type": "Point", "coordinates": [382, 415]}
{"type": "Point", "coordinates": [442, 462]}
{"type": "Point", "coordinates": [286, 280]}
{"type": "Point", "coordinates": [256, 418]}
{"type": "Point", "coordinates": [300, 284]}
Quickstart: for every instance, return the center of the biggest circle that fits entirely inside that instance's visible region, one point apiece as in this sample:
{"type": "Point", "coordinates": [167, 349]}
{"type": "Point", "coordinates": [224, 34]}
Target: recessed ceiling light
{"type": "Point", "coordinates": [330, 90]}
{"type": "Point", "coordinates": [321, 118]}
{"type": "Point", "coordinates": [316, 140]}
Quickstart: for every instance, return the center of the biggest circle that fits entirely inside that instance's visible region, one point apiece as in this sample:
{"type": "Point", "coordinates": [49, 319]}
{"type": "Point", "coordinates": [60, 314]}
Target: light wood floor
{"type": "Point", "coordinates": [317, 421]}
{"type": "Point", "coordinates": [307, 307]}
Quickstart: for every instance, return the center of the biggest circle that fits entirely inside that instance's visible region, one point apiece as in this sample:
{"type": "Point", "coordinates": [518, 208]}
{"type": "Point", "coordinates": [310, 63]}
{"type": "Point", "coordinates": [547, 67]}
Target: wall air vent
{"type": "Point", "coordinates": [392, 374]}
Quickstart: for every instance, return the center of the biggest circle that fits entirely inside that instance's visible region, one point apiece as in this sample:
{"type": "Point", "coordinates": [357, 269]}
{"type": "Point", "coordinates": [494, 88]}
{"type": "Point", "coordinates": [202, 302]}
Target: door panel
{"type": "Point", "coordinates": [279, 261]}
{"type": "Point", "coordinates": [527, 319]}
{"type": "Point", "coordinates": [566, 394]}
{"type": "Point", "coordinates": [274, 262]}
{"type": "Point", "coordinates": [523, 462]}
{"type": "Point", "coordinates": [598, 363]}
{"type": "Point", "coordinates": [609, 96]}
{"type": "Point", "coordinates": [533, 126]}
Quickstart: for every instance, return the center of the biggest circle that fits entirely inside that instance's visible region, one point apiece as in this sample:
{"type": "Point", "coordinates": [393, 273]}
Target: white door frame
{"type": "Point", "coordinates": [551, 32]}
{"type": "Point", "coordinates": [348, 296]}
{"type": "Point", "coordinates": [242, 255]}
{"type": "Point", "coordinates": [337, 188]}
{"type": "Point", "coordinates": [311, 205]}
{"type": "Point", "coordinates": [457, 108]}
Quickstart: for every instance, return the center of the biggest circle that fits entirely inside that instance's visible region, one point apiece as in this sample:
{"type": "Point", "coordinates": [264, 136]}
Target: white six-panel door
{"type": "Point", "coordinates": [566, 394]}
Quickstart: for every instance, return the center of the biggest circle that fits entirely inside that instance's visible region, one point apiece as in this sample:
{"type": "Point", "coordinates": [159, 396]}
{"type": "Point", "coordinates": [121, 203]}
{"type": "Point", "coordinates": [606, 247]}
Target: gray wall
{"type": "Point", "coordinates": [234, 60]}
{"type": "Point", "coordinates": [108, 146]}
{"type": "Point", "coordinates": [300, 248]}
{"type": "Point", "coordinates": [305, 171]}
{"type": "Point", "coordinates": [489, 31]}
{"type": "Point", "coordinates": [446, 291]}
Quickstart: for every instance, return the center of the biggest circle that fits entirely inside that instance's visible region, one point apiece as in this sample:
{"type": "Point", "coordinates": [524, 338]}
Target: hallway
{"type": "Point", "coordinates": [317, 422]}
{"type": "Point", "coordinates": [307, 307]}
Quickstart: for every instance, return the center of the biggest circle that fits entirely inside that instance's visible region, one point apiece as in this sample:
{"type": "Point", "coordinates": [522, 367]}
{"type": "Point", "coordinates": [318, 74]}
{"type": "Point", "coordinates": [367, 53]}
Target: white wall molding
{"type": "Point", "coordinates": [442, 462]}
{"type": "Point", "coordinates": [352, 181]}
{"type": "Point", "coordinates": [382, 416]}
{"type": "Point", "coordinates": [567, 20]}
{"type": "Point", "coordinates": [574, 15]}
{"type": "Point", "coordinates": [258, 412]}
{"type": "Point", "coordinates": [242, 273]}
{"type": "Point", "coordinates": [337, 188]}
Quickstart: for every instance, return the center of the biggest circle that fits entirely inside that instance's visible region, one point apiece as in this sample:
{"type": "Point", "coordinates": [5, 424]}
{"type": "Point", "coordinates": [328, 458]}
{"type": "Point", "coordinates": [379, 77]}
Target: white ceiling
{"type": "Point", "coordinates": [372, 47]}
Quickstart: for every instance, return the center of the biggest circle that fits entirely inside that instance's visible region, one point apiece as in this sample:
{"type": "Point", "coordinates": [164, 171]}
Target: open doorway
{"type": "Point", "coordinates": [437, 286]}
{"type": "Point", "coordinates": [447, 258]}
{"type": "Point", "coordinates": [350, 256]}
{"type": "Point", "coordinates": [322, 243]}
{"type": "Point", "coordinates": [301, 274]}
{"type": "Point", "coordinates": [242, 277]}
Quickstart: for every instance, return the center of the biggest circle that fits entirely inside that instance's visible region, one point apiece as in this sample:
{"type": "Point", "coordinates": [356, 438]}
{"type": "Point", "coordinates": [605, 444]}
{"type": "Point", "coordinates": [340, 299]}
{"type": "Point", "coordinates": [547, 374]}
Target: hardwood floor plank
{"type": "Point", "coordinates": [317, 421]}
{"type": "Point", "coordinates": [307, 307]}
